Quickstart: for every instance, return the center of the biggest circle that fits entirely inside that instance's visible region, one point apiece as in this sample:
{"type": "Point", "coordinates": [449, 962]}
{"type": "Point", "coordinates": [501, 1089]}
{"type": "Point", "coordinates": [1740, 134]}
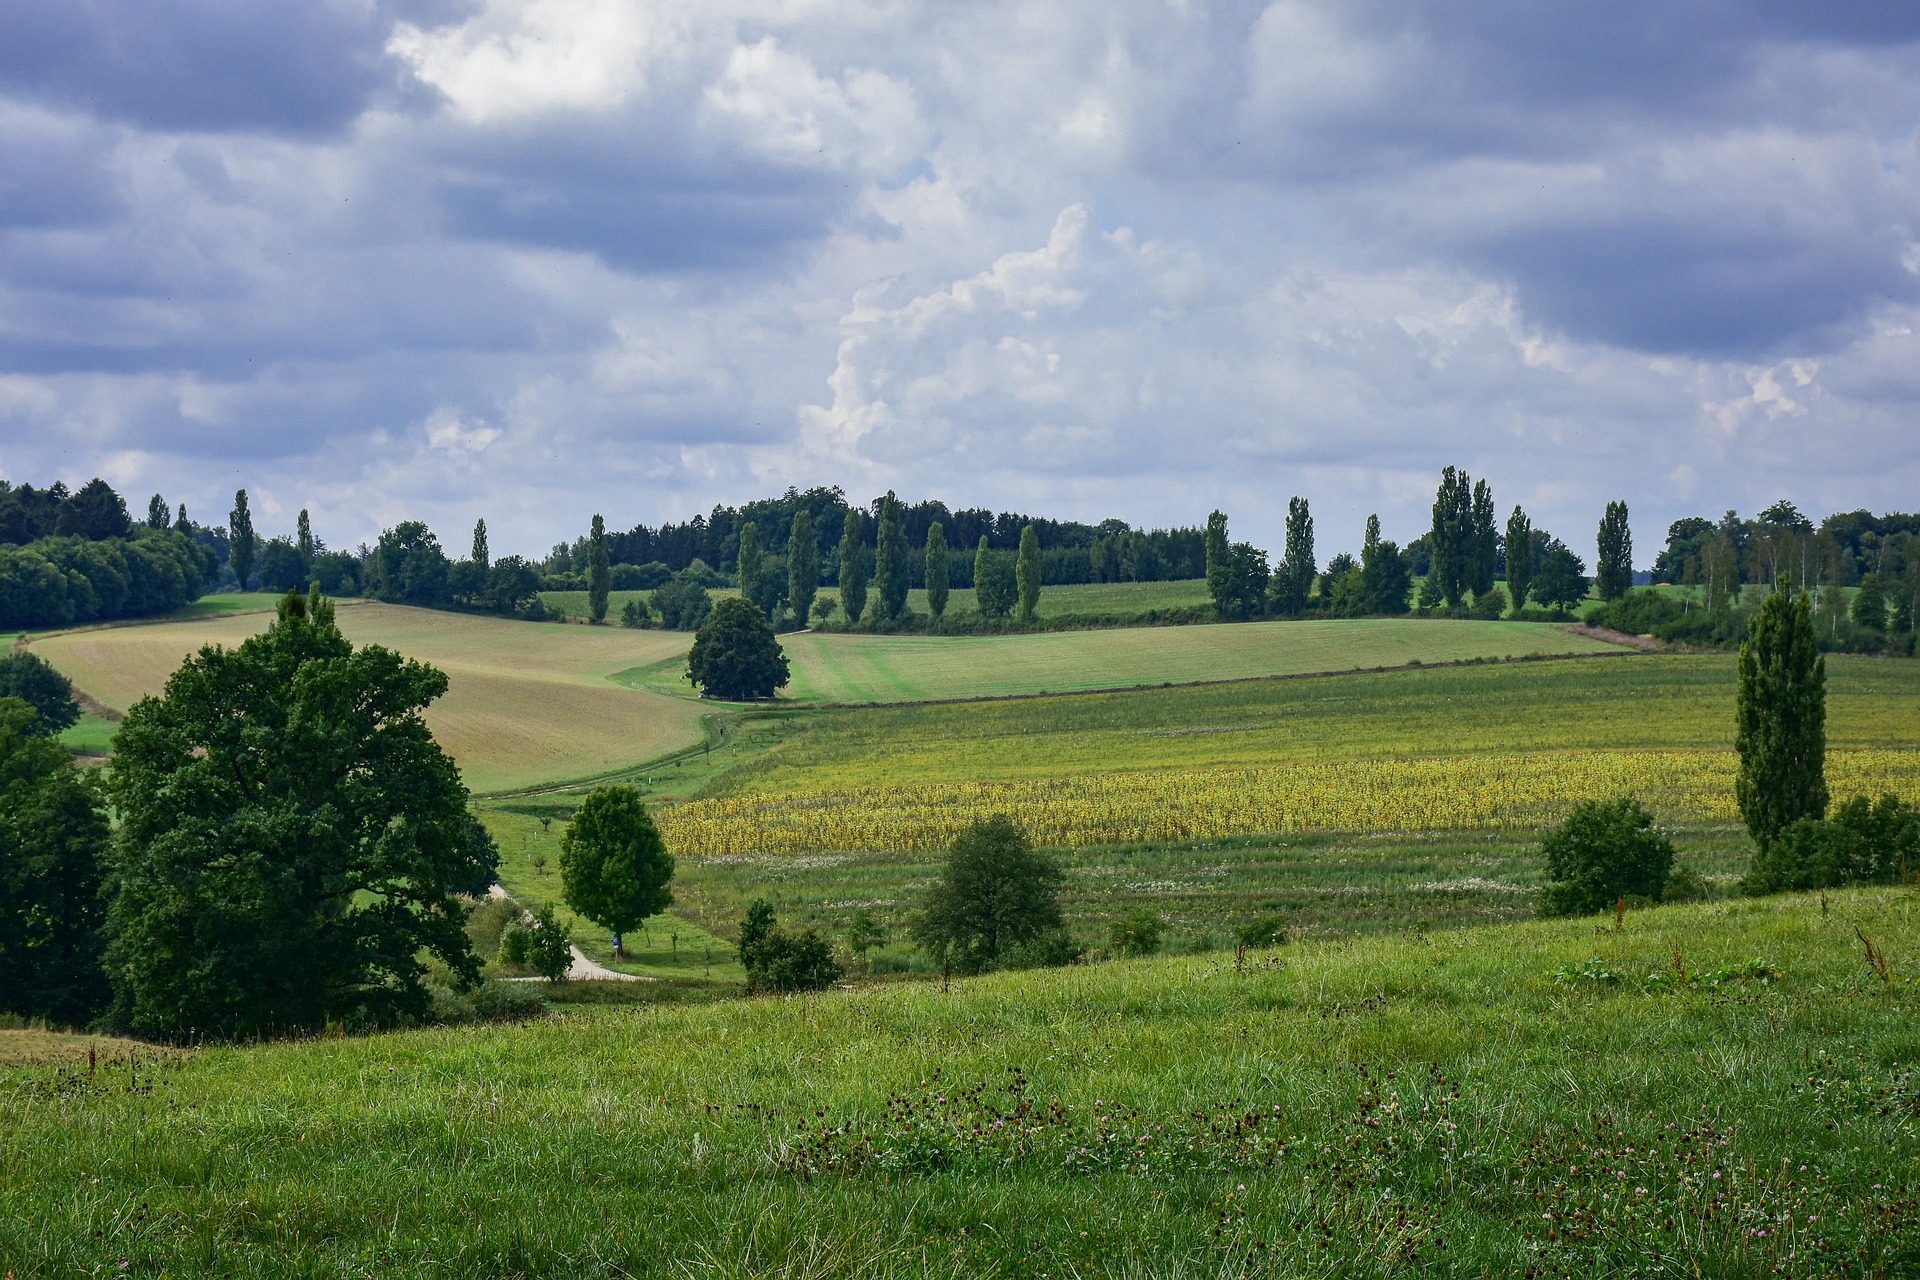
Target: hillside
{"type": "Point", "coordinates": [1720, 1088]}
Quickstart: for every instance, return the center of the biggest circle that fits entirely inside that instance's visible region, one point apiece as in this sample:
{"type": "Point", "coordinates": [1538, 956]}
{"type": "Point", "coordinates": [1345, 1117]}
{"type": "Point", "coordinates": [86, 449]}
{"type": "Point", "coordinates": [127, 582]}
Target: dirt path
{"type": "Point", "coordinates": [582, 969]}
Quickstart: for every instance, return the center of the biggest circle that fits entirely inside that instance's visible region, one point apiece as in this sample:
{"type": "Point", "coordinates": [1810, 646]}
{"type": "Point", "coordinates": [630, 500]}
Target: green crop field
{"type": "Point", "coordinates": [1646, 702]}
{"type": "Point", "coordinates": [1722, 1091]}
{"type": "Point", "coordinates": [831, 668]}
{"type": "Point", "coordinates": [527, 704]}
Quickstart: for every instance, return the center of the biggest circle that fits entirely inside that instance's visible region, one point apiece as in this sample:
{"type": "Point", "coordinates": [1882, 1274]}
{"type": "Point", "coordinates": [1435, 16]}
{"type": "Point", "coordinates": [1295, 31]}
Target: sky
{"type": "Point", "coordinates": [532, 259]}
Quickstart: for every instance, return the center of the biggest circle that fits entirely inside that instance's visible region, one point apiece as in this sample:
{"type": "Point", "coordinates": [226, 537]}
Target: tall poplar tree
{"type": "Point", "coordinates": [599, 573]}
{"type": "Point", "coordinates": [803, 566]}
{"type": "Point", "coordinates": [1781, 718]}
{"type": "Point", "coordinates": [480, 555]}
{"type": "Point", "coordinates": [1385, 577]}
{"type": "Point", "coordinates": [1483, 542]}
{"type": "Point", "coordinates": [241, 543]}
{"type": "Point", "coordinates": [303, 541]}
{"type": "Point", "coordinates": [1219, 565]}
{"type": "Point", "coordinates": [936, 570]}
{"type": "Point", "coordinates": [1613, 573]}
{"type": "Point", "coordinates": [1520, 553]}
{"type": "Point", "coordinates": [1294, 583]}
{"type": "Point", "coordinates": [1027, 574]}
{"type": "Point", "coordinates": [1452, 512]}
{"type": "Point", "coordinates": [853, 565]}
{"type": "Point", "coordinates": [749, 564]}
{"type": "Point", "coordinates": [158, 516]}
{"type": "Point", "coordinates": [892, 575]}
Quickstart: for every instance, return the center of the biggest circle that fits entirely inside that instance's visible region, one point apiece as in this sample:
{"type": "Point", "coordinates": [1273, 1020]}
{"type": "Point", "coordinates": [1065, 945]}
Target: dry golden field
{"type": "Point", "coordinates": [526, 703]}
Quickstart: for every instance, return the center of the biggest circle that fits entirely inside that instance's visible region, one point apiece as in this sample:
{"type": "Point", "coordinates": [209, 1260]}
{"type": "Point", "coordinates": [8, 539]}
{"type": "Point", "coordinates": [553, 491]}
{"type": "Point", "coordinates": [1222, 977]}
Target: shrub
{"type": "Point", "coordinates": [1865, 842]}
{"type": "Point", "coordinates": [1686, 885]}
{"type": "Point", "coordinates": [635, 614]}
{"type": "Point", "coordinates": [1604, 850]}
{"type": "Point", "coordinates": [537, 942]}
{"type": "Point", "coordinates": [779, 959]}
{"type": "Point", "coordinates": [1489, 605]}
{"type": "Point", "coordinates": [1053, 949]}
{"type": "Point", "coordinates": [1638, 613]}
{"type": "Point", "coordinates": [1267, 931]}
{"type": "Point", "coordinates": [1137, 933]}
{"type": "Point", "coordinates": [682, 604]}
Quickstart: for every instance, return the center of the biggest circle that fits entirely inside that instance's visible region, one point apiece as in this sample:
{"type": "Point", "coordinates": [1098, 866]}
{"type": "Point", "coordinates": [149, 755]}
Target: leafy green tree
{"type": "Point", "coordinates": [241, 542]}
{"type": "Point", "coordinates": [1605, 850]}
{"type": "Point", "coordinates": [303, 542]}
{"type": "Point", "coordinates": [1781, 718]}
{"type": "Point", "coordinates": [735, 655]}
{"type": "Point", "coordinates": [803, 567]}
{"type": "Point", "coordinates": [159, 516]}
{"type": "Point", "coordinates": [1870, 604]}
{"type": "Point", "coordinates": [1560, 578]}
{"type": "Point", "coordinates": [1452, 521]}
{"type": "Point", "coordinates": [1613, 573]}
{"type": "Point", "coordinates": [1519, 557]}
{"type": "Point", "coordinates": [994, 894]}
{"type": "Point", "coordinates": [28, 677]}
{"type": "Point", "coordinates": [480, 554]}
{"type": "Point", "coordinates": [995, 590]}
{"type": "Point", "coordinates": [754, 928]}
{"type": "Point", "coordinates": [853, 566]}
{"type": "Point", "coordinates": [634, 614]}
{"type": "Point", "coordinates": [614, 868]}
{"type": "Point", "coordinates": [683, 604]}
{"type": "Point", "coordinates": [864, 933]}
{"type": "Point", "coordinates": [53, 842]}
{"type": "Point", "coordinates": [95, 513]}
{"type": "Point", "coordinates": [1027, 574]}
{"type": "Point", "coordinates": [1385, 576]}
{"type": "Point", "coordinates": [1220, 583]}
{"type": "Point", "coordinates": [892, 575]}
{"type": "Point", "coordinates": [1483, 542]}
{"type": "Point", "coordinates": [936, 570]}
{"type": "Point", "coordinates": [1293, 580]}
{"type": "Point", "coordinates": [1137, 933]}
{"type": "Point", "coordinates": [291, 839]}
{"type": "Point", "coordinates": [599, 572]}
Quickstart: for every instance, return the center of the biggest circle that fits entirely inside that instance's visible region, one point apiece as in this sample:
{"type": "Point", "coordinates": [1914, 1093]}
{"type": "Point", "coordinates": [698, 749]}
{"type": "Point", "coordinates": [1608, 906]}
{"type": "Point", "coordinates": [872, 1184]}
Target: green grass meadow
{"type": "Point", "coordinates": [1719, 1091]}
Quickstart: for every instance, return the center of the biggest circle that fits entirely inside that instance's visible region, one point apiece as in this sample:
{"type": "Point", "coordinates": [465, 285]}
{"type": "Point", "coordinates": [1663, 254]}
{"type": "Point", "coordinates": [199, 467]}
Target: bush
{"type": "Point", "coordinates": [1267, 931]}
{"type": "Point", "coordinates": [1137, 933]}
{"type": "Point", "coordinates": [1686, 885]}
{"type": "Point", "coordinates": [1489, 605]}
{"type": "Point", "coordinates": [537, 942]}
{"type": "Point", "coordinates": [639, 577]}
{"type": "Point", "coordinates": [1865, 842]}
{"type": "Point", "coordinates": [1605, 850]}
{"type": "Point", "coordinates": [683, 604]}
{"type": "Point", "coordinates": [1641, 612]}
{"type": "Point", "coordinates": [488, 1002]}
{"type": "Point", "coordinates": [779, 959]}
{"type": "Point", "coordinates": [635, 614]}
{"type": "Point", "coordinates": [1053, 949]}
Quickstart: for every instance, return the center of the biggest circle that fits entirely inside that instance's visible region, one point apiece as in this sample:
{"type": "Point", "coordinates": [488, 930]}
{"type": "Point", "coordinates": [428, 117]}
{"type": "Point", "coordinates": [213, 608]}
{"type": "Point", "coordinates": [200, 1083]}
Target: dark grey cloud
{"type": "Point", "coordinates": [303, 67]}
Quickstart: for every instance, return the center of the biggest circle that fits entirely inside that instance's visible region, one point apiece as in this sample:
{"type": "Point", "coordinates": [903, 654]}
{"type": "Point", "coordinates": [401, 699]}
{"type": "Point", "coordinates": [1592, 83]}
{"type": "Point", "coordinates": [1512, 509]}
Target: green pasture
{"type": "Point", "coordinates": [573, 604]}
{"type": "Point", "coordinates": [90, 735]}
{"type": "Point", "coordinates": [1717, 1091]}
{"type": "Point", "coordinates": [1104, 600]}
{"type": "Point", "coordinates": [832, 668]}
{"type": "Point", "coordinates": [1653, 701]}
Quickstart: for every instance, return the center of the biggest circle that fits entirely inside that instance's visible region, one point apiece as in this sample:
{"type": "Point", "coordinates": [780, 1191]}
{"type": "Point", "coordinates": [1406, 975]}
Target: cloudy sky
{"type": "Point", "coordinates": [530, 259]}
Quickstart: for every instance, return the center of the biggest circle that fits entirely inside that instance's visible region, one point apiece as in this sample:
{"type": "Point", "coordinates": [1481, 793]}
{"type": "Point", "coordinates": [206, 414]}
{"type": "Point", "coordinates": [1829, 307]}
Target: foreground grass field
{"type": "Point", "coordinates": [526, 704]}
{"type": "Point", "coordinates": [1718, 1091]}
{"type": "Point", "coordinates": [830, 668]}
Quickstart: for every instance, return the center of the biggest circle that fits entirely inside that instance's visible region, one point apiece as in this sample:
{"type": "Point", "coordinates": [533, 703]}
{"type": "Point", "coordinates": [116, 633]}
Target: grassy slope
{"type": "Point", "coordinates": [1401, 1106]}
{"type": "Point", "coordinates": [1658, 701]}
{"type": "Point", "coordinates": [856, 668]}
{"type": "Point", "coordinates": [527, 704]}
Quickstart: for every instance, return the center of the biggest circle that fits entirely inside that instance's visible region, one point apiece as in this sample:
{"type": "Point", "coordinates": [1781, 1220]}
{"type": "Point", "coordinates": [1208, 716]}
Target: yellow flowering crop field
{"type": "Point", "coordinates": [1481, 792]}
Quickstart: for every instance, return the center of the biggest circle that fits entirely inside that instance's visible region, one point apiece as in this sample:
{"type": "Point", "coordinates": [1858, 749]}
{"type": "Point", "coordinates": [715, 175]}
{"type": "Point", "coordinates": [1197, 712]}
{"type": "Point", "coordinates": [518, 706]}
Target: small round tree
{"type": "Point", "coordinates": [735, 656]}
{"type": "Point", "coordinates": [614, 867]}
{"type": "Point", "coordinates": [1605, 850]}
{"type": "Point", "coordinates": [995, 895]}
{"type": "Point", "coordinates": [27, 676]}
